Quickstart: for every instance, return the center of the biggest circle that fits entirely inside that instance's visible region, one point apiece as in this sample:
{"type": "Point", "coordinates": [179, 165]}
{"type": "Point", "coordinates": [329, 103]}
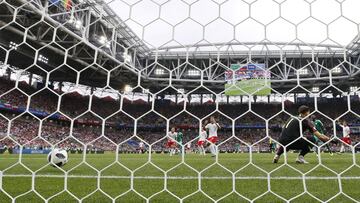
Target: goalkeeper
{"type": "Point", "coordinates": [321, 129]}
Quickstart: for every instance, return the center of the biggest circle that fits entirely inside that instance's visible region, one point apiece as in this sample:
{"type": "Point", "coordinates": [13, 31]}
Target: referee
{"type": "Point", "coordinates": [291, 132]}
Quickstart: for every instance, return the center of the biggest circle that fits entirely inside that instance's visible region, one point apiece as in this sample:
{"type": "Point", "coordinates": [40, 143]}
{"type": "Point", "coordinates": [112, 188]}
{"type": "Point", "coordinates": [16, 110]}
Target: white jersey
{"type": "Point", "coordinates": [203, 135]}
{"type": "Point", "coordinates": [346, 131]}
{"type": "Point", "coordinates": [172, 135]}
{"type": "Point", "coordinates": [141, 145]}
{"type": "Point", "coordinates": [212, 129]}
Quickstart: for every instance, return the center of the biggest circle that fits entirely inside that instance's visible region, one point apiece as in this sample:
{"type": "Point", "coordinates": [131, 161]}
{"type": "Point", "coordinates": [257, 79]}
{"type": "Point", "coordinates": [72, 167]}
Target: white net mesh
{"type": "Point", "coordinates": [107, 80]}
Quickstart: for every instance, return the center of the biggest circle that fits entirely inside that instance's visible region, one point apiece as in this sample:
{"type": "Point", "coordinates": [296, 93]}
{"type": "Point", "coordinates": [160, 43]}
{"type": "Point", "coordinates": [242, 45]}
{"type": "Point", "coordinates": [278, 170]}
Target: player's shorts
{"type": "Point", "coordinates": [170, 143]}
{"type": "Point", "coordinates": [200, 142]}
{"type": "Point", "coordinates": [213, 139]}
{"type": "Point", "coordinates": [347, 140]}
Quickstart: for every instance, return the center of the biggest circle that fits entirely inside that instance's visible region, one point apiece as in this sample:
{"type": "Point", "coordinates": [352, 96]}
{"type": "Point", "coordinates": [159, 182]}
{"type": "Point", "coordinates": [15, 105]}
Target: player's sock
{"type": "Point", "coordinates": [280, 151]}
{"type": "Point", "coordinates": [276, 158]}
{"type": "Point", "coordinates": [171, 152]}
{"type": "Point", "coordinates": [342, 148]}
{"type": "Point", "coordinates": [202, 150]}
{"type": "Point", "coordinates": [304, 151]}
{"type": "Point", "coordinates": [315, 149]}
{"type": "Point", "coordinates": [329, 149]}
{"type": "Point", "coordinates": [213, 149]}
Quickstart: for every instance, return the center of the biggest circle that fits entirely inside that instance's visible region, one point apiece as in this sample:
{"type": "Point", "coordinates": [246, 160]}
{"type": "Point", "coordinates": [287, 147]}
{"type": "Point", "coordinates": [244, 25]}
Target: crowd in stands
{"type": "Point", "coordinates": [102, 125]}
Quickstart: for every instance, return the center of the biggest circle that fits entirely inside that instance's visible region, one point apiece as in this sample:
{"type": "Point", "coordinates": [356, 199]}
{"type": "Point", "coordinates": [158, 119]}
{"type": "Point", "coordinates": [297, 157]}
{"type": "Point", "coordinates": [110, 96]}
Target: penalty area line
{"type": "Point", "coordinates": [186, 177]}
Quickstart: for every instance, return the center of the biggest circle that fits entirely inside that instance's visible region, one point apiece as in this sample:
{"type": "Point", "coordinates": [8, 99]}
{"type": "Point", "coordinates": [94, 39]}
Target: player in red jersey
{"type": "Point", "coordinates": [212, 127]}
{"type": "Point", "coordinates": [346, 136]}
{"type": "Point", "coordinates": [201, 141]}
{"type": "Point", "coordinates": [171, 143]}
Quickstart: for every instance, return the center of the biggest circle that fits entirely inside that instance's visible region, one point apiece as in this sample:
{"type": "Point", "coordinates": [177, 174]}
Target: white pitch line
{"type": "Point", "coordinates": [187, 177]}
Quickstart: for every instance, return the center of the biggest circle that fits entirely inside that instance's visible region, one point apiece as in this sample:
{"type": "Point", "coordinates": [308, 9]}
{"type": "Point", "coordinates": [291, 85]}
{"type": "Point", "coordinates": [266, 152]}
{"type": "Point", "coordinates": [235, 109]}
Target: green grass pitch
{"type": "Point", "coordinates": [182, 179]}
{"type": "Point", "coordinates": [260, 87]}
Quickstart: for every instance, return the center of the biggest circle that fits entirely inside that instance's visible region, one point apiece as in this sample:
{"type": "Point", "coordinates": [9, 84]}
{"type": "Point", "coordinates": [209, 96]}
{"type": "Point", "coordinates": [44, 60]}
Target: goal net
{"type": "Point", "coordinates": [180, 100]}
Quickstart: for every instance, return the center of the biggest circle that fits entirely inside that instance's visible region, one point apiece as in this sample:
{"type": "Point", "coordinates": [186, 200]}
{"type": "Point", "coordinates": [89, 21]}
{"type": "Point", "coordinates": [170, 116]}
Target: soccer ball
{"type": "Point", "coordinates": [58, 157]}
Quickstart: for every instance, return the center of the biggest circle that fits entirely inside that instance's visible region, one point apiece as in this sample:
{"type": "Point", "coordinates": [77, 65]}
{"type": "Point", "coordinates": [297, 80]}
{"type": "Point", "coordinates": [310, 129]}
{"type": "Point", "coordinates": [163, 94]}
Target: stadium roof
{"type": "Point", "coordinates": [206, 25]}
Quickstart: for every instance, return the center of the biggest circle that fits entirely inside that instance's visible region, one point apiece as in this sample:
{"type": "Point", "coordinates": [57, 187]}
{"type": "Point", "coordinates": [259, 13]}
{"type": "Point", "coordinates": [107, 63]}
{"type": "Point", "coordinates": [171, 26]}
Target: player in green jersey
{"type": "Point", "coordinates": [237, 148]}
{"type": "Point", "coordinates": [272, 145]}
{"type": "Point", "coordinates": [179, 140]}
{"type": "Point", "coordinates": [320, 127]}
{"type": "Point", "coordinates": [179, 137]}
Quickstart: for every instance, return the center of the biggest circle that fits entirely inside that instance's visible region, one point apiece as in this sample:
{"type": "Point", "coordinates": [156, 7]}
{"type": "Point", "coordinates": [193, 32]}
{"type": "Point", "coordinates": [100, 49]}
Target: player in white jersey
{"type": "Point", "coordinates": [346, 136]}
{"type": "Point", "coordinates": [171, 143]}
{"type": "Point", "coordinates": [212, 127]}
{"type": "Point", "coordinates": [141, 147]}
{"type": "Point", "coordinates": [201, 141]}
